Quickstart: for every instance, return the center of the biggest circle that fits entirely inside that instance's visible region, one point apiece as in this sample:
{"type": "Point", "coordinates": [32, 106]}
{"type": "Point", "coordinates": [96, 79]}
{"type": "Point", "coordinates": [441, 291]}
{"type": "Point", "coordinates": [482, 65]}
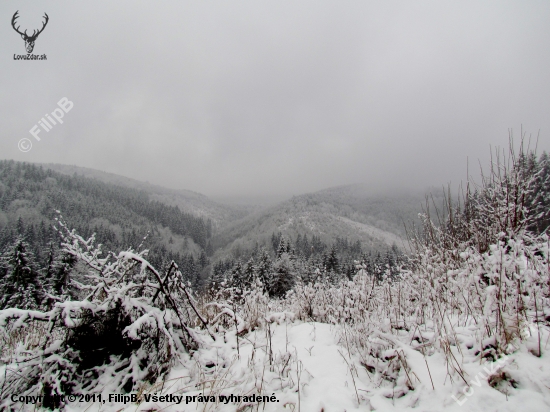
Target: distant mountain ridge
{"type": "Point", "coordinates": [376, 221]}
{"type": "Point", "coordinates": [187, 200]}
{"type": "Point", "coordinates": [351, 212]}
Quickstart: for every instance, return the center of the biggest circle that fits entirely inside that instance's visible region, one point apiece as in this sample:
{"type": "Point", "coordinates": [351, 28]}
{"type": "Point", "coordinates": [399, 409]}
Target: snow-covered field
{"type": "Point", "coordinates": [311, 370]}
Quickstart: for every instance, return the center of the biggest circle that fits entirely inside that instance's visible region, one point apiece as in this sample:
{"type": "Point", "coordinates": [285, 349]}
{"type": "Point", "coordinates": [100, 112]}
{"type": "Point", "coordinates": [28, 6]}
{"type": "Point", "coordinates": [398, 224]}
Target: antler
{"type": "Point", "coordinates": [35, 33]}
{"type": "Point", "coordinates": [15, 16]}
{"type": "Point", "coordinates": [43, 26]}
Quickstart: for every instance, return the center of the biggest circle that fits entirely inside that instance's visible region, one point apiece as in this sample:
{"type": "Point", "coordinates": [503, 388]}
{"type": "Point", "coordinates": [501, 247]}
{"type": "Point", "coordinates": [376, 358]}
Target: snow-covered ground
{"type": "Point", "coordinates": [311, 370]}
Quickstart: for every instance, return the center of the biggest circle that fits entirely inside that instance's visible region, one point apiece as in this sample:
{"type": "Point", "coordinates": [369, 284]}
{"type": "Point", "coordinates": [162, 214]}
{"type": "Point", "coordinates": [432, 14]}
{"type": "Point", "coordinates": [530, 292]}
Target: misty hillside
{"type": "Point", "coordinates": [120, 216]}
{"type": "Point", "coordinates": [352, 212]}
{"type": "Point", "coordinates": [376, 221]}
{"type": "Point", "coordinates": [188, 201]}
{"type": "Point", "coordinates": [182, 222]}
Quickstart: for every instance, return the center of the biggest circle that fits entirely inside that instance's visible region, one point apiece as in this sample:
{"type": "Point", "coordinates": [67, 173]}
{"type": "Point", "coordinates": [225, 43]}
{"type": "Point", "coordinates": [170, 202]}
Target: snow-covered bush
{"type": "Point", "coordinates": [126, 331]}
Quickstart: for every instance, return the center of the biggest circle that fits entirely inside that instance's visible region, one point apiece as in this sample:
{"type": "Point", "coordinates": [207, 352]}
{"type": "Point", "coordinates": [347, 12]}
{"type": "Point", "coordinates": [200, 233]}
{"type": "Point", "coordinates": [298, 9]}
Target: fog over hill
{"type": "Point", "coordinates": [376, 220]}
{"type": "Point", "coordinates": [187, 200]}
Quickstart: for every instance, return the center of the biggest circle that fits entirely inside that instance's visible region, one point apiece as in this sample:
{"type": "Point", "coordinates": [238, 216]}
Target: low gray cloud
{"type": "Point", "coordinates": [277, 98]}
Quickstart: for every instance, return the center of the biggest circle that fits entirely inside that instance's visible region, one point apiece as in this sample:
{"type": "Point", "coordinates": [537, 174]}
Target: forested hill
{"type": "Point", "coordinates": [120, 216]}
{"type": "Point", "coordinates": [188, 201]}
{"type": "Point", "coordinates": [347, 212]}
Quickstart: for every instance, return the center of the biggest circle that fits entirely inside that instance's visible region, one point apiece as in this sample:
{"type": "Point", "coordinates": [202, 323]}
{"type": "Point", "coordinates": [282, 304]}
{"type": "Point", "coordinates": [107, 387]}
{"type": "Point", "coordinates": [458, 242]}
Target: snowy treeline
{"type": "Point", "coordinates": [290, 265]}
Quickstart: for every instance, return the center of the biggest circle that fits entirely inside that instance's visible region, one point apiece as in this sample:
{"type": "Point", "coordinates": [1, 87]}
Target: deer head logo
{"type": "Point", "coordinates": [29, 40]}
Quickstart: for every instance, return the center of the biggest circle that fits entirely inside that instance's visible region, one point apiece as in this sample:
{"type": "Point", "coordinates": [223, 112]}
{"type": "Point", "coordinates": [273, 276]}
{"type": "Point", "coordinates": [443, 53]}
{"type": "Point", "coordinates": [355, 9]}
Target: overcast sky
{"type": "Point", "coordinates": [277, 97]}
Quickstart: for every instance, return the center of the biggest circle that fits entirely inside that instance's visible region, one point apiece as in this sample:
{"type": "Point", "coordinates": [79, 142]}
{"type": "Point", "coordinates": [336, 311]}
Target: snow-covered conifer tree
{"type": "Point", "coordinates": [57, 278]}
{"type": "Point", "coordinates": [248, 273]}
{"type": "Point", "coordinates": [19, 285]}
{"type": "Point", "coordinates": [283, 276]}
{"type": "Point", "coordinates": [264, 268]}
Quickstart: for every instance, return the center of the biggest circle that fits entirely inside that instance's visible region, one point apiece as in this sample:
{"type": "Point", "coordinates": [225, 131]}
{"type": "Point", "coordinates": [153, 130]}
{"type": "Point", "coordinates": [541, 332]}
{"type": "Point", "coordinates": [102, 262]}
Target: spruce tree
{"type": "Point", "coordinates": [203, 259]}
{"type": "Point", "coordinates": [264, 269]}
{"type": "Point", "coordinates": [58, 276]}
{"type": "Point", "coordinates": [539, 197]}
{"type": "Point", "coordinates": [283, 277]}
{"type": "Point", "coordinates": [248, 273]}
{"type": "Point", "coordinates": [284, 247]}
{"type": "Point", "coordinates": [236, 276]}
{"type": "Point", "coordinates": [331, 263]}
{"type": "Point", "coordinates": [275, 240]}
{"type": "Point", "coordinates": [20, 226]}
{"type": "Point", "coordinates": [20, 286]}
